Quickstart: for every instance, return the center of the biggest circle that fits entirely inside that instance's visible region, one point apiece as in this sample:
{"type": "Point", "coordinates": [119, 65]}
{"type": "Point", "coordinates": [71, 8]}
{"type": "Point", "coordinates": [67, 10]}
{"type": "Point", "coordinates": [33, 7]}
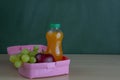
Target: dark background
{"type": "Point", "coordinates": [89, 26]}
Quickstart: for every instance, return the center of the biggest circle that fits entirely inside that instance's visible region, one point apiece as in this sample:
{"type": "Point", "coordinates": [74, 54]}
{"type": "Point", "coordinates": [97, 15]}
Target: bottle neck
{"type": "Point", "coordinates": [55, 29]}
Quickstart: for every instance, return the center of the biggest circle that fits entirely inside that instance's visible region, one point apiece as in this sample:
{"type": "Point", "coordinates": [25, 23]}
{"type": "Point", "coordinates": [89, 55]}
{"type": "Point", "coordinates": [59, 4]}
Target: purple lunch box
{"type": "Point", "coordinates": [38, 70]}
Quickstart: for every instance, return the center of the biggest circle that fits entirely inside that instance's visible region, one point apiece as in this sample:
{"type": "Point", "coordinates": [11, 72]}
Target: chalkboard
{"type": "Point", "coordinates": [89, 26]}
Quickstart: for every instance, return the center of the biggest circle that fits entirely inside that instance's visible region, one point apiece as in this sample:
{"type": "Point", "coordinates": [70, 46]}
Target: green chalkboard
{"type": "Point", "coordinates": [89, 26]}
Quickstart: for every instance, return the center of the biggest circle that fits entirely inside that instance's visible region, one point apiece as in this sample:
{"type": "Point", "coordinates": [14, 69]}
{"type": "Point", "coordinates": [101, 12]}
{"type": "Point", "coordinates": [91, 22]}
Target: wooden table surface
{"type": "Point", "coordinates": [82, 67]}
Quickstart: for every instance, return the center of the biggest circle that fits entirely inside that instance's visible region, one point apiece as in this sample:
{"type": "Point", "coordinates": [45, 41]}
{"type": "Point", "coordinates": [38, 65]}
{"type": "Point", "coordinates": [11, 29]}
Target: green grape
{"type": "Point", "coordinates": [19, 56]}
{"type": "Point", "coordinates": [35, 48]}
{"type": "Point", "coordinates": [35, 52]}
{"type": "Point", "coordinates": [25, 58]}
{"type": "Point", "coordinates": [32, 54]}
{"type": "Point", "coordinates": [32, 60]}
{"type": "Point", "coordinates": [12, 58]}
{"type": "Point", "coordinates": [25, 51]}
{"type": "Point", "coordinates": [18, 64]}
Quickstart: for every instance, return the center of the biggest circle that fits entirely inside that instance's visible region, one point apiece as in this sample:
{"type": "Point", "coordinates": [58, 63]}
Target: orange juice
{"type": "Point", "coordinates": [54, 41]}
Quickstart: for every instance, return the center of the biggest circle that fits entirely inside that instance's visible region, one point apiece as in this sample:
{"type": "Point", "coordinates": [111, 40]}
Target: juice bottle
{"type": "Point", "coordinates": [54, 41]}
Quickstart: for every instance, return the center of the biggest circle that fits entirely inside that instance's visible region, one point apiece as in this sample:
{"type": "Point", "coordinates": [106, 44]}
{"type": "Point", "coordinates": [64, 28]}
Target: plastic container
{"type": "Point", "coordinates": [37, 70]}
{"type": "Point", "coordinates": [54, 41]}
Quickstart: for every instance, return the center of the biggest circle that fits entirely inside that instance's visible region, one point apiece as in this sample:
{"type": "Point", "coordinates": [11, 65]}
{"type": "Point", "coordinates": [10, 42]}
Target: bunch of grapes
{"type": "Point", "coordinates": [25, 56]}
